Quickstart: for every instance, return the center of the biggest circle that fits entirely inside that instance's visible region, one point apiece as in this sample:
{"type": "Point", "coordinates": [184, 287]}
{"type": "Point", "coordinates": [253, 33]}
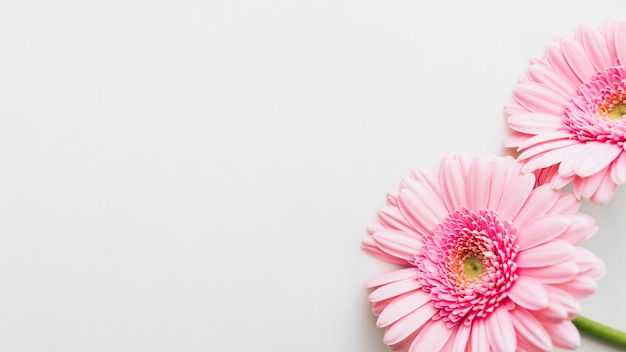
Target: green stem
{"type": "Point", "coordinates": [600, 331]}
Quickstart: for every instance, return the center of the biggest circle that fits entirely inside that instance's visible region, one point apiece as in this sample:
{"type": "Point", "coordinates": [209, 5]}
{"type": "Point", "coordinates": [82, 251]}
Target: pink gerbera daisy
{"type": "Point", "coordinates": [489, 261]}
{"type": "Point", "coordinates": [568, 114]}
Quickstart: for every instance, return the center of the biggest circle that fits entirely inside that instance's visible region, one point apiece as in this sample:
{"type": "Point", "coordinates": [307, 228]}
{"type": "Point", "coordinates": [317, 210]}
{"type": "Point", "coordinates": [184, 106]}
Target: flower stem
{"type": "Point", "coordinates": [600, 331]}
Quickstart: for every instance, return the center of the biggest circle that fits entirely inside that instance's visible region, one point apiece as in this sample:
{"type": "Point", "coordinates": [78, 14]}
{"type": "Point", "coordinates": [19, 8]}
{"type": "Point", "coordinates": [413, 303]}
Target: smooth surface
{"type": "Point", "coordinates": [198, 175]}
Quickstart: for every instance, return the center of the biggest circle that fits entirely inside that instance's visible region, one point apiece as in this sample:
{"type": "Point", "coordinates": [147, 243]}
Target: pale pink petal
{"type": "Point", "coordinates": [370, 247]}
{"type": "Point", "coordinates": [514, 140]}
{"type": "Point", "coordinates": [594, 157]}
{"type": "Point", "coordinates": [531, 329]}
{"type": "Point", "coordinates": [567, 205]}
{"type": "Point", "coordinates": [452, 183]}
{"type": "Point", "coordinates": [378, 307]}
{"type": "Point", "coordinates": [428, 181]}
{"type": "Point", "coordinates": [462, 337]}
{"type": "Point", "coordinates": [586, 260]}
{"type": "Point", "coordinates": [605, 191]}
{"type": "Point", "coordinates": [581, 228]}
{"type": "Point", "coordinates": [595, 46]}
{"type": "Point", "coordinates": [610, 39]}
{"type": "Point", "coordinates": [541, 199]}
{"type": "Point", "coordinates": [541, 230]}
{"type": "Point", "coordinates": [577, 59]}
{"type": "Point", "coordinates": [550, 158]}
{"type": "Point", "coordinates": [515, 196]}
{"type": "Point", "coordinates": [421, 210]}
{"type": "Point", "coordinates": [579, 287]}
{"type": "Point", "coordinates": [500, 331]}
{"type": "Point", "coordinates": [546, 146]}
{"type": "Point", "coordinates": [397, 244]}
{"type": "Point", "coordinates": [479, 176]}
{"type": "Point", "coordinates": [498, 172]}
{"type": "Point", "coordinates": [544, 74]}
{"type": "Point", "coordinates": [549, 253]}
{"type": "Point", "coordinates": [556, 58]}
{"type": "Point", "coordinates": [432, 337]}
{"type": "Point", "coordinates": [529, 293]}
{"type": "Point", "coordinates": [407, 325]}
{"type": "Point", "coordinates": [588, 186]}
{"type": "Point", "coordinates": [564, 335]}
{"type": "Point", "coordinates": [554, 274]}
{"type": "Point", "coordinates": [394, 289]}
{"type": "Point", "coordinates": [618, 169]}
{"type": "Point", "coordinates": [545, 137]}
{"type": "Point", "coordinates": [393, 276]}
{"type": "Point", "coordinates": [620, 41]}
{"type": "Point", "coordinates": [534, 123]}
{"type": "Point", "coordinates": [559, 181]}
{"type": "Point", "coordinates": [562, 304]}
{"type": "Point", "coordinates": [478, 336]}
{"type": "Point", "coordinates": [391, 218]}
{"type": "Point", "coordinates": [536, 97]}
{"type": "Point", "coordinates": [401, 306]}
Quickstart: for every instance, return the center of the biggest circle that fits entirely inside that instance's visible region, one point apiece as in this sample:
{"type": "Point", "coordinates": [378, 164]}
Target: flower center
{"type": "Point", "coordinates": [472, 267]}
{"type": "Point", "coordinates": [596, 110]}
{"type": "Point", "coordinates": [468, 264]}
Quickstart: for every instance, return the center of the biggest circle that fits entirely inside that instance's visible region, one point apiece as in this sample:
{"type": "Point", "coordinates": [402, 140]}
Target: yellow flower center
{"type": "Point", "coordinates": [617, 112]}
{"type": "Point", "coordinates": [472, 267]}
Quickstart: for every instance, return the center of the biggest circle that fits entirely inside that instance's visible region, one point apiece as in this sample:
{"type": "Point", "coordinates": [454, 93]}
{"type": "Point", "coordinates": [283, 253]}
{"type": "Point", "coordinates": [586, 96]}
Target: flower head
{"type": "Point", "coordinates": [569, 114]}
{"type": "Point", "coordinates": [489, 261]}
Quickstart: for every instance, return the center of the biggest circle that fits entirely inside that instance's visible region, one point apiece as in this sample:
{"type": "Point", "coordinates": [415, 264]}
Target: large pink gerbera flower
{"type": "Point", "coordinates": [489, 261]}
{"type": "Point", "coordinates": [568, 114]}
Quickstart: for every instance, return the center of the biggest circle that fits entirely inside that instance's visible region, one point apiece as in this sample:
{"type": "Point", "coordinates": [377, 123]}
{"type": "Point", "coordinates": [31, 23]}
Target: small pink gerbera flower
{"type": "Point", "coordinates": [489, 261]}
{"type": "Point", "coordinates": [568, 114]}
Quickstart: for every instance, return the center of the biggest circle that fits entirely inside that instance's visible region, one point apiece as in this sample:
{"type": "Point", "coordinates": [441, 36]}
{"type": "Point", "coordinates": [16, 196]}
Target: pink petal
{"type": "Point", "coordinates": [461, 338]}
{"type": "Point", "coordinates": [546, 146]}
{"type": "Point", "coordinates": [541, 199]}
{"type": "Point", "coordinates": [401, 306]}
{"type": "Point", "coordinates": [428, 181]}
{"type": "Point", "coordinates": [397, 244]}
{"type": "Point", "coordinates": [550, 253]}
{"type": "Point", "coordinates": [479, 178]}
{"type": "Point", "coordinates": [579, 287]}
{"type": "Point", "coordinates": [391, 218]}
{"type": "Point", "coordinates": [478, 336]}
{"type": "Point", "coordinates": [618, 169]}
{"type": "Point", "coordinates": [531, 329]}
{"type": "Point", "coordinates": [553, 274]}
{"type": "Point", "coordinates": [423, 211]}
{"type": "Point", "coordinates": [529, 293]}
{"type": "Point", "coordinates": [610, 39]}
{"type": "Point", "coordinates": [559, 181]}
{"type": "Point", "coordinates": [515, 195]}
{"type": "Point", "coordinates": [595, 46]}
{"type": "Point", "coordinates": [577, 59]}
{"type": "Point", "coordinates": [550, 158]}
{"type": "Point", "coordinates": [452, 183]}
{"type": "Point", "coordinates": [393, 276]}
{"type": "Point", "coordinates": [620, 41]}
{"type": "Point", "coordinates": [585, 187]}
{"type": "Point", "coordinates": [594, 157]}
{"type": "Point", "coordinates": [605, 192]}
{"type": "Point", "coordinates": [557, 60]}
{"type": "Point", "coordinates": [564, 335]}
{"type": "Point", "coordinates": [378, 307]}
{"type": "Point", "coordinates": [394, 289]}
{"type": "Point", "coordinates": [563, 301]}
{"type": "Point", "coordinates": [585, 259]}
{"type": "Point", "coordinates": [498, 172]}
{"type": "Point", "coordinates": [545, 137]}
{"type": "Point", "coordinates": [538, 98]}
{"type": "Point", "coordinates": [515, 139]}
{"type": "Point", "coordinates": [534, 123]}
{"type": "Point", "coordinates": [541, 230]}
{"type": "Point", "coordinates": [407, 325]}
{"type": "Point", "coordinates": [567, 205]}
{"type": "Point", "coordinates": [500, 332]}
{"type": "Point", "coordinates": [432, 338]}
{"type": "Point", "coordinates": [581, 228]}
{"type": "Point", "coordinates": [370, 247]}
{"type": "Point", "coordinates": [545, 74]}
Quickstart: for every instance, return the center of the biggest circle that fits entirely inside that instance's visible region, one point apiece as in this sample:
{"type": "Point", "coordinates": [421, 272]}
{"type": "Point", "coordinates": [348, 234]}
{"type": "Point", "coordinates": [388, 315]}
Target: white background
{"type": "Point", "coordinates": [198, 175]}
